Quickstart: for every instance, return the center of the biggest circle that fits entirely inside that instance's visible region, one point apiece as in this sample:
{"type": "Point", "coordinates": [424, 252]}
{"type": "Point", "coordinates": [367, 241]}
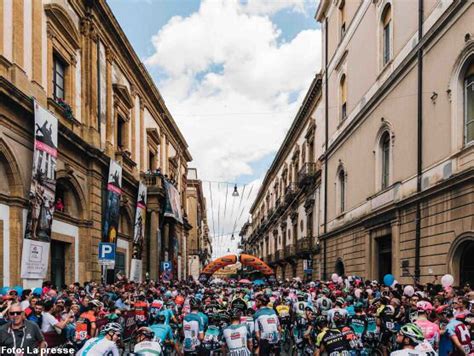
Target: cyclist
{"type": "Point", "coordinates": [267, 328]}
{"type": "Point", "coordinates": [300, 305]}
{"type": "Point", "coordinates": [236, 336]}
{"type": "Point", "coordinates": [408, 338]}
{"type": "Point", "coordinates": [193, 328]}
{"type": "Point", "coordinates": [338, 309]}
{"type": "Point", "coordinates": [456, 339]}
{"type": "Point", "coordinates": [141, 309]}
{"type": "Point", "coordinates": [323, 303]}
{"type": "Point", "coordinates": [337, 340]}
{"type": "Point", "coordinates": [86, 326]}
{"type": "Point", "coordinates": [105, 344]}
{"type": "Point", "coordinates": [145, 345]}
{"type": "Point", "coordinates": [163, 332]}
{"type": "Point", "coordinates": [430, 330]}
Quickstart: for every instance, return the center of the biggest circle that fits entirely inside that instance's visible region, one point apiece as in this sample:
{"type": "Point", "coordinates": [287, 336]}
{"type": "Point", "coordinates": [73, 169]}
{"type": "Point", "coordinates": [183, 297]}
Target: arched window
{"type": "Point", "coordinates": [343, 96]}
{"type": "Point", "coordinates": [386, 34]}
{"type": "Point", "coordinates": [341, 178]}
{"type": "Point", "coordinates": [339, 268]}
{"type": "Point", "coordinates": [469, 103]}
{"type": "Point", "coordinates": [385, 159]}
{"type": "Point", "coordinates": [342, 15]}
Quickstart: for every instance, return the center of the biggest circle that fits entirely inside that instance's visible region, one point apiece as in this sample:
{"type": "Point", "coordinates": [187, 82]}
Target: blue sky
{"type": "Point", "coordinates": [233, 74]}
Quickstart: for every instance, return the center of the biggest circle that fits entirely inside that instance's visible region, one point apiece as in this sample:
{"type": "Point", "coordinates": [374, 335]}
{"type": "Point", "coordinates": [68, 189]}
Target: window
{"type": "Point", "coordinates": [342, 190]}
{"type": "Point", "coordinates": [385, 150]}
{"type": "Point", "coordinates": [342, 14]}
{"type": "Point", "coordinates": [59, 70]}
{"type": "Point", "coordinates": [151, 160]}
{"type": "Point", "coordinates": [386, 34]}
{"type": "Point", "coordinates": [469, 104]}
{"type": "Point", "coordinates": [343, 97]}
{"type": "Point", "coordinates": [120, 132]}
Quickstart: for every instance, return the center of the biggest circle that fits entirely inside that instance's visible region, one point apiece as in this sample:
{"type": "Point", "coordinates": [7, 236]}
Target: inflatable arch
{"type": "Point", "coordinates": [246, 260]}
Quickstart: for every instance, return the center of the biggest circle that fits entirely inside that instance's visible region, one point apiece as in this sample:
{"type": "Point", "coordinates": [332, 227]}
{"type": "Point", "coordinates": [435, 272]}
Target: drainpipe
{"type": "Point", "coordinates": [419, 163]}
{"type": "Point", "coordinates": [326, 134]}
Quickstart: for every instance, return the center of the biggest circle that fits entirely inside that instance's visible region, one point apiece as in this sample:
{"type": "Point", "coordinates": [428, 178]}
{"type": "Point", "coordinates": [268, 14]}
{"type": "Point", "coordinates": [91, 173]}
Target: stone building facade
{"type": "Point", "coordinates": [75, 60]}
{"type": "Point", "coordinates": [282, 226]}
{"type": "Point", "coordinates": [394, 132]}
{"type": "Point", "coordinates": [199, 248]}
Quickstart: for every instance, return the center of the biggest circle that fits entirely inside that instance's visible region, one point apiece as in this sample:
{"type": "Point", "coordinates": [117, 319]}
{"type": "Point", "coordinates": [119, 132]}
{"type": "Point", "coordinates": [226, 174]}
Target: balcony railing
{"type": "Point", "coordinates": [289, 252]}
{"type": "Point", "coordinates": [153, 182]}
{"type": "Point", "coordinates": [304, 245]}
{"type": "Point", "coordinates": [290, 192]}
{"type": "Point", "coordinates": [307, 173]}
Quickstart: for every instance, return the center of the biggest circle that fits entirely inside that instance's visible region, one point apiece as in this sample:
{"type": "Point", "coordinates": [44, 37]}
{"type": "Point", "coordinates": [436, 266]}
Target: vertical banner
{"type": "Point", "coordinates": [36, 243]}
{"type": "Point", "coordinates": [138, 235]}
{"type": "Point", "coordinates": [112, 208]}
{"type": "Point", "coordinates": [173, 203]}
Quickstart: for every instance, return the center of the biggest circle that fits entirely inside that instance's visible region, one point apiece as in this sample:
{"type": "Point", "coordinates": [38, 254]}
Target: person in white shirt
{"type": "Point", "coordinates": [106, 345]}
{"type": "Point", "coordinates": [409, 336]}
{"type": "Point", "coordinates": [50, 323]}
{"type": "Point", "coordinates": [145, 345]}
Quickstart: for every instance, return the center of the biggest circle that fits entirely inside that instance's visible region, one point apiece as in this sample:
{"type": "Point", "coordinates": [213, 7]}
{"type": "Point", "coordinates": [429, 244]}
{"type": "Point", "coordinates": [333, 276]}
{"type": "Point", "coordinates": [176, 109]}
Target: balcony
{"type": "Point", "coordinates": [153, 182]}
{"type": "Point", "coordinates": [270, 214]}
{"type": "Point", "coordinates": [304, 246]}
{"type": "Point", "coordinates": [308, 173]}
{"type": "Point", "coordinates": [289, 252]}
{"type": "Point", "coordinates": [290, 192]}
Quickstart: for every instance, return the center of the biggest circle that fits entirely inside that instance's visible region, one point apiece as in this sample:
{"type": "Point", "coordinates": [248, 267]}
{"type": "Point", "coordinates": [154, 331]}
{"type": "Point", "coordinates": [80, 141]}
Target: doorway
{"type": "Point", "coordinates": [384, 253]}
{"type": "Point", "coordinates": [466, 267]}
{"type": "Point", "coordinates": [58, 263]}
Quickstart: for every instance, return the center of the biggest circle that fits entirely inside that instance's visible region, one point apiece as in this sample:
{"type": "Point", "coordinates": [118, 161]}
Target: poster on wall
{"type": "Point", "coordinates": [173, 203]}
{"type": "Point", "coordinates": [36, 243]}
{"type": "Point", "coordinates": [112, 208]}
{"type": "Point", "coordinates": [138, 235]}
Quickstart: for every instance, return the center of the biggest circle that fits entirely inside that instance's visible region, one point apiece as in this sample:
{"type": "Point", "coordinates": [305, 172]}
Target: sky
{"type": "Point", "coordinates": [233, 74]}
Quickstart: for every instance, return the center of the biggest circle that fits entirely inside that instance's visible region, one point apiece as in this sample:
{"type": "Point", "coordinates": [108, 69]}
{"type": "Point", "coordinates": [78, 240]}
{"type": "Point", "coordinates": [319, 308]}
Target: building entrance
{"type": "Point", "coordinates": [58, 263]}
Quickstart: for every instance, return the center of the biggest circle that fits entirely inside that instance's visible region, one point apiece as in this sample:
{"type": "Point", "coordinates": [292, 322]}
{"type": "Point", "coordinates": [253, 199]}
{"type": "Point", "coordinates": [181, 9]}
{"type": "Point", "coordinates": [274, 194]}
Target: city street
{"type": "Point", "coordinates": [237, 177]}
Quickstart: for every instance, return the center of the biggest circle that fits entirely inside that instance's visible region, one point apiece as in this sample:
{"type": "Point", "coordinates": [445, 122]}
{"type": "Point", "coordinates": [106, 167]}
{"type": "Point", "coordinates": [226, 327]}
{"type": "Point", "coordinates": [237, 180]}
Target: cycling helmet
{"type": "Point", "coordinates": [340, 301]}
{"type": "Point", "coordinates": [194, 303]}
{"type": "Point", "coordinates": [413, 332]}
{"type": "Point", "coordinates": [95, 303]}
{"type": "Point", "coordinates": [112, 327]}
{"type": "Point", "coordinates": [424, 306]}
{"type": "Point", "coordinates": [145, 331]}
{"type": "Point", "coordinates": [389, 310]}
{"type": "Point", "coordinates": [250, 311]}
{"type": "Point", "coordinates": [160, 318]}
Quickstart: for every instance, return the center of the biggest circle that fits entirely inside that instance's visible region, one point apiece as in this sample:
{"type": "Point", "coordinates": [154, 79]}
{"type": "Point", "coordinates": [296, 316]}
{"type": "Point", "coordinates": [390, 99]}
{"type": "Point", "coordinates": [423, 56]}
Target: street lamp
{"type": "Point", "coordinates": [236, 192]}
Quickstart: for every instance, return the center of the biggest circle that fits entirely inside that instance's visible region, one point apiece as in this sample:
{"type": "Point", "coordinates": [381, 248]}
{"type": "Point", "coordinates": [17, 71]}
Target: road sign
{"type": "Point", "coordinates": [107, 254]}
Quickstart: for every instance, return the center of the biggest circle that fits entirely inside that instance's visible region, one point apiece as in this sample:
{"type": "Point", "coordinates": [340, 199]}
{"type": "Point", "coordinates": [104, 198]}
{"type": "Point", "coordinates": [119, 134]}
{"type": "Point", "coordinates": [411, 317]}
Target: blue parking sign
{"type": "Point", "coordinates": [107, 253]}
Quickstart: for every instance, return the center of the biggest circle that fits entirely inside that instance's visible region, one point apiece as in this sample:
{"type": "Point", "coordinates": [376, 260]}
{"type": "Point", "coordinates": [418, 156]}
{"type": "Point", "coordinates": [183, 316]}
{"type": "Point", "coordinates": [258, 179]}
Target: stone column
{"type": "Point", "coordinates": [110, 127]}
{"type": "Point", "coordinates": [396, 268]}
{"type": "Point", "coordinates": [154, 262]}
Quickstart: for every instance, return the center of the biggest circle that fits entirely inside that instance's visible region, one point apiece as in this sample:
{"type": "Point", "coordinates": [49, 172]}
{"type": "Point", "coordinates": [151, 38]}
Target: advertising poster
{"type": "Point", "coordinates": [112, 208]}
{"type": "Point", "coordinates": [36, 243]}
{"type": "Point", "coordinates": [173, 203]}
{"type": "Point", "coordinates": [138, 235]}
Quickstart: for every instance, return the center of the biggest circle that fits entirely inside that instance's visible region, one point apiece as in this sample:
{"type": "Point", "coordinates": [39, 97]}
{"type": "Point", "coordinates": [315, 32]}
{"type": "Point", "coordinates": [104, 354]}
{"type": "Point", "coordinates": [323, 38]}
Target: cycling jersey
{"type": "Point", "coordinates": [249, 322]}
{"type": "Point", "coordinates": [358, 323]}
{"type": "Point", "coordinates": [168, 314]}
{"type": "Point", "coordinates": [163, 332]}
{"type": "Point", "coordinates": [84, 325]}
{"type": "Point", "coordinates": [458, 329]}
{"type": "Point", "coordinates": [426, 347]}
{"type": "Point", "coordinates": [236, 337]}
{"type": "Point", "coordinates": [430, 331]}
{"type": "Point", "coordinates": [335, 342]}
{"type": "Point", "coordinates": [192, 327]}
{"type": "Point", "coordinates": [324, 304]}
{"type": "Point", "coordinates": [141, 308]}
{"type": "Point", "coordinates": [98, 346]}
{"type": "Point", "coordinates": [299, 307]}
{"type": "Point", "coordinates": [147, 348]}
{"type": "Point", "coordinates": [266, 322]}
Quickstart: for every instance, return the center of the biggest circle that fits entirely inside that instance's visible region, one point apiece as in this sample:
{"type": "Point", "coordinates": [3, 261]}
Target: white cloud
{"type": "Point", "coordinates": [231, 82]}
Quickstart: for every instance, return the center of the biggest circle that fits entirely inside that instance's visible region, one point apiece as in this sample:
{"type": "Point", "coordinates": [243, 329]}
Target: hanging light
{"type": "Point", "coordinates": [232, 238]}
{"type": "Point", "coordinates": [236, 192]}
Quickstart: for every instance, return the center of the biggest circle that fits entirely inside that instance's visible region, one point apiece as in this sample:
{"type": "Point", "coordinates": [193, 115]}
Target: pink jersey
{"type": "Point", "coordinates": [430, 330]}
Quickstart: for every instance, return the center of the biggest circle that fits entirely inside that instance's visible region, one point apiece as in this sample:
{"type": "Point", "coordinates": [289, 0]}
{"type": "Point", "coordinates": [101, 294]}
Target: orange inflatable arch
{"type": "Point", "coordinates": [246, 260]}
